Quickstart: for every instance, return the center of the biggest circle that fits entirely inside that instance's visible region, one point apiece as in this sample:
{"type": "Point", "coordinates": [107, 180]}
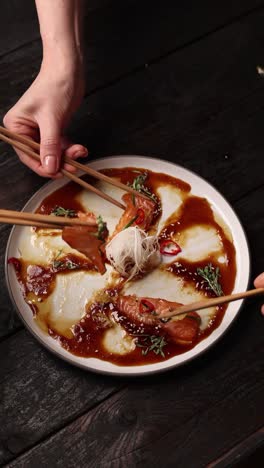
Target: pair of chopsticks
{"type": "Point", "coordinates": [27, 146]}
{"type": "Point", "coordinates": [42, 221]}
{"type": "Point", "coordinates": [204, 304]}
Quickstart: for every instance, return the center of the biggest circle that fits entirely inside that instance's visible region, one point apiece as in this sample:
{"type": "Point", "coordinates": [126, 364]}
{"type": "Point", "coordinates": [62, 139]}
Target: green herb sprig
{"type": "Point", "coordinates": [102, 228]}
{"type": "Point", "coordinates": [152, 343]}
{"type": "Point", "coordinates": [57, 263]}
{"type": "Point", "coordinates": [60, 211]}
{"type": "Point", "coordinates": [138, 185]}
{"type": "Point", "coordinates": [68, 265]}
{"type": "Point", "coordinates": [138, 182]}
{"type": "Point", "coordinates": [211, 274]}
{"type": "Point", "coordinates": [130, 222]}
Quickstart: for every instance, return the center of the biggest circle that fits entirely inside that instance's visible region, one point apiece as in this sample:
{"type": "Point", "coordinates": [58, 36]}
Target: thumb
{"type": "Point", "coordinates": [50, 146]}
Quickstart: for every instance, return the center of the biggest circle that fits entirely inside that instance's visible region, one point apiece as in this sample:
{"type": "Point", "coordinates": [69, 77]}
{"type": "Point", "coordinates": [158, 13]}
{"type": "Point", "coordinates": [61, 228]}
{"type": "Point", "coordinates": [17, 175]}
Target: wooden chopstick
{"type": "Point", "coordinates": [68, 174]}
{"type": "Point", "coordinates": [45, 219]}
{"type": "Point", "coordinates": [88, 170]}
{"type": "Point", "coordinates": [204, 304]}
{"type": "Point", "coordinates": [24, 222]}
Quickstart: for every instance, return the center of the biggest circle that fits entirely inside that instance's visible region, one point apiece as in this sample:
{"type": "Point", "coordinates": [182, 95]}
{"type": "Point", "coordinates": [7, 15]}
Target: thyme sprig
{"type": "Point", "coordinates": [102, 228]}
{"type": "Point", "coordinates": [138, 185]}
{"type": "Point", "coordinates": [211, 275]}
{"type": "Point", "coordinates": [130, 223]}
{"type": "Point", "coordinates": [57, 263]}
{"type": "Point", "coordinates": [68, 265]}
{"type": "Point", "coordinates": [60, 211]}
{"type": "Point", "coordinates": [152, 343]}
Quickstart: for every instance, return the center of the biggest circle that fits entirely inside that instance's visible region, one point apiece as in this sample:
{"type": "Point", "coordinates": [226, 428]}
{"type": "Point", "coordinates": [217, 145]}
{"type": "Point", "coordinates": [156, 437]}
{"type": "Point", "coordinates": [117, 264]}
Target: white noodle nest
{"type": "Point", "coordinates": [132, 252]}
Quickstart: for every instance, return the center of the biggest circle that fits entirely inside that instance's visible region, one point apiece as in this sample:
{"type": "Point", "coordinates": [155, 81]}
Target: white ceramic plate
{"type": "Point", "coordinates": [200, 188]}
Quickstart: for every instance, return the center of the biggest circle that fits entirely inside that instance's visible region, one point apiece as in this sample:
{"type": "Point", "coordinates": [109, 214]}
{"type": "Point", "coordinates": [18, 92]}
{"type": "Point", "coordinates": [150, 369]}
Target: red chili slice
{"type": "Point", "coordinates": [169, 247]}
{"type": "Point", "coordinates": [146, 306]}
{"type": "Point", "coordinates": [140, 216]}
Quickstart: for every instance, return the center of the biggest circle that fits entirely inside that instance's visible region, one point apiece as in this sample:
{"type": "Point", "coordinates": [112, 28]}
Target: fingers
{"type": "Point", "coordinates": [34, 165]}
{"type": "Point", "coordinates": [76, 151]}
{"type": "Point", "coordinates": [24, 128]}
{"type": "Point", "coordinates": [259, 281]}
{"type": "Point", "coordinates": [50, 145]}
{"type": "Point", "coordinates": [73, 151]}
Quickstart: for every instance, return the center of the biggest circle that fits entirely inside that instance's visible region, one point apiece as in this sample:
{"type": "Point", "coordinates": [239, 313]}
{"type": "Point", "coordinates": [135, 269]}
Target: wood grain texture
{"type": "Point", "coordinates": [40, 393]}
{"type": "Point", "coordinates": [120, 38]}
{"type": "Point", "coordinates": [243, 455]}
{"type": "Point", "coordinates": [19, 22]}
{"type": "Point", "coordinates": [201, 105]}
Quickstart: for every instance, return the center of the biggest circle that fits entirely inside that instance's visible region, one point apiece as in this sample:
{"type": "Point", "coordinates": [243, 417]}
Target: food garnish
{"type": "Point", "coordinates": [211, 274]}
{"type": "Point", "coordinates": [169, 247]}
{"type": "Point", "coordinates": [60, 211]}
{"type": "Point", "coordinates": [146, 306]}
{"type": "Point", "coordinates": [132, 251]}
{"type": "Point", "coordinates": [151, 343]}
{"type": "Point", "coordinates": [65, 265]}
{"type": "Point", "coordinates": [138, 185]}
{"type": "Point", "coordinates": [57, 263]}
{"type": "Point", "coordinates": [140, 216]}
{"type": "Point", "coordinates": [70, 265]}
{"type": "Point", "coordinates": [102, 228]}
{"type": "Point", "coordinates": [138, 219]}
{"type": "Point", "coordinates": [130, 222]}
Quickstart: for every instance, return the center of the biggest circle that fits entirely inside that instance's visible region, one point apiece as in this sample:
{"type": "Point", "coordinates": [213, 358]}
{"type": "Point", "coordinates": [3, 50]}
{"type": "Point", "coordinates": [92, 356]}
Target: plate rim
{"type": "Point", "coordinates": [70, 358]}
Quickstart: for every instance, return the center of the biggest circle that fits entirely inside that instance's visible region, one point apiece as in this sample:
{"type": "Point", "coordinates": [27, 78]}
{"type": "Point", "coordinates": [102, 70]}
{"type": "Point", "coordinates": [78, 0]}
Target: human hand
{"type": "Point", "coordinates": [43, 114]}
{"type": "Point", "coordinates": [259, 283]}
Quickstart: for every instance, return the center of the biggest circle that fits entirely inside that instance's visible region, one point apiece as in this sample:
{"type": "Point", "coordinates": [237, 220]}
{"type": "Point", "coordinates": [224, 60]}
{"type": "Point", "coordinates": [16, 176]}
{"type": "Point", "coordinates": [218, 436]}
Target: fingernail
{"type": "Point", "coordinates": [81, 153]}
{"type": "Point", "coordinates": [51, 164]}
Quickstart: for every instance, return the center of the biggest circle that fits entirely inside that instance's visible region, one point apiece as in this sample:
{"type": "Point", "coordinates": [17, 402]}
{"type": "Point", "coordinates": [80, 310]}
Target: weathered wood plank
{"type": "Point", "coordinates": [151, 418]}
{"type": "Point", "coordinates": [170, 421]}
{"type": "Point", "coordinates": [9, 320]}
{"type": "Point", "coordinates": [119, 38]}
{"type": "Point", "coordinates": [195, 107]}
{"type": "Point", "coordinates": [247, 453]}
{"type": "Point", "coordinates": [200, 107]}
{"type": "Point", "coordinates": [39, 393]}
{"type": "Point", "coordinates": [19, 22]}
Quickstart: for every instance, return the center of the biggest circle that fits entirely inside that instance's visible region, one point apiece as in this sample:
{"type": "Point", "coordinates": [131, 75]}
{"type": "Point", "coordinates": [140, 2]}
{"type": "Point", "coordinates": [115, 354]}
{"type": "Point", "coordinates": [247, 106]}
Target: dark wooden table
{"type": "Point", "coordinates": [176, 80]}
